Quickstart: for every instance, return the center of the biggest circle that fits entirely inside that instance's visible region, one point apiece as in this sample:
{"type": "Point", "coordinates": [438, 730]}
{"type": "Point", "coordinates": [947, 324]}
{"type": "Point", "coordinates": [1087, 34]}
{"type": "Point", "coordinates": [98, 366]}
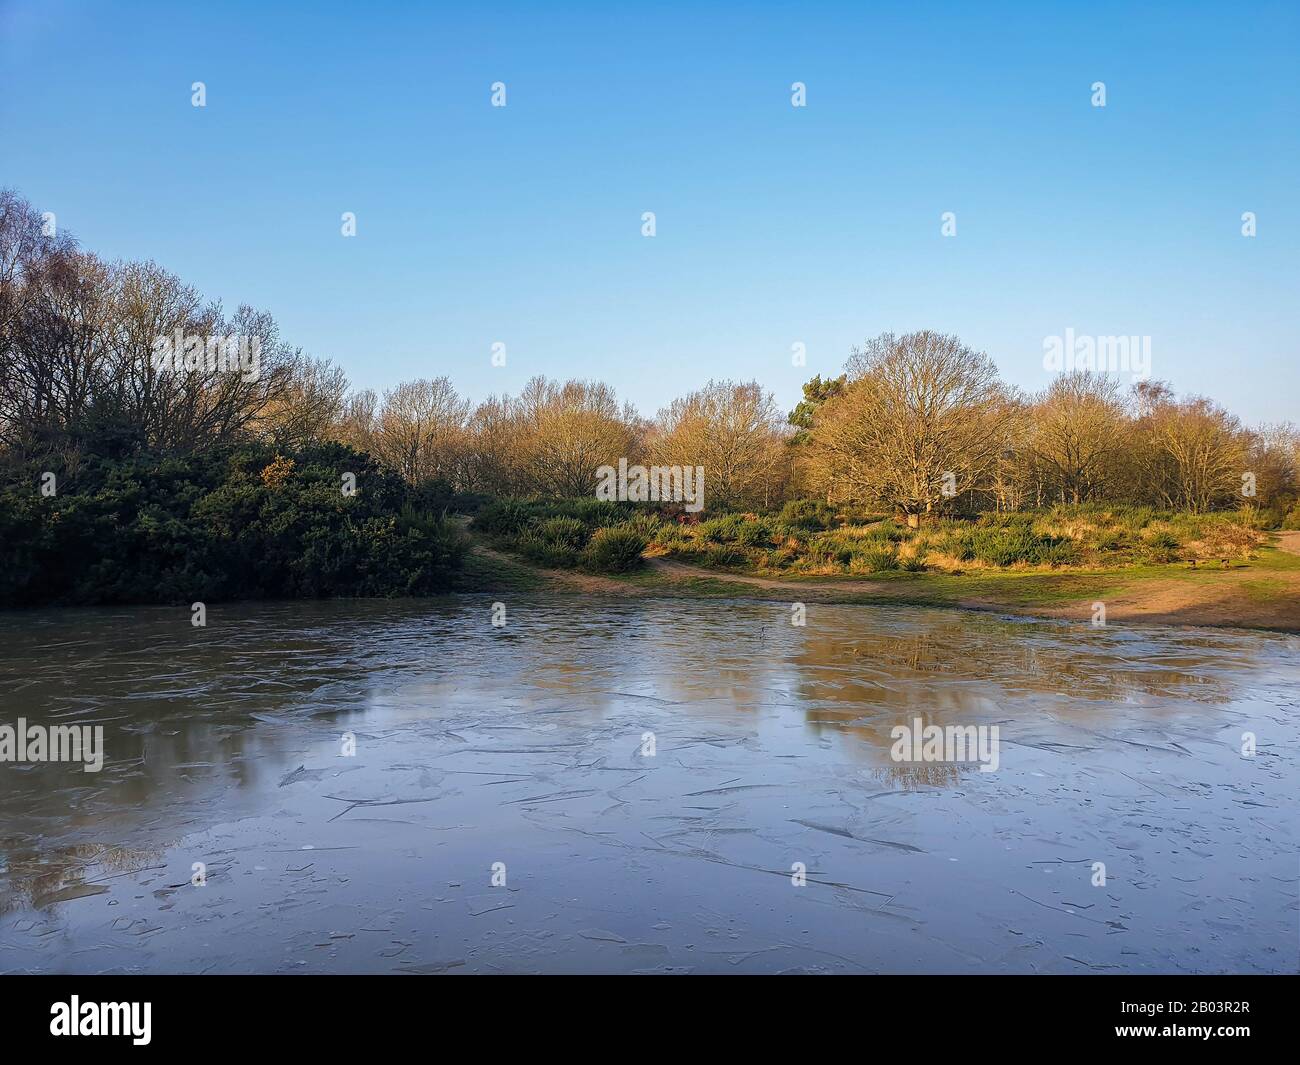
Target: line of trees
{"type": "Point", "coordinates": [920, 423]}
{"type": "Point", "coordinates": [918, 416]}
{"type": "Point", "coordinates": [550, 439]}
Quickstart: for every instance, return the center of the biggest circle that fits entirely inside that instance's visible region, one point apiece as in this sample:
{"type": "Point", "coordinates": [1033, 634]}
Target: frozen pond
{"type": "Point", "coordinates": [649, 779]}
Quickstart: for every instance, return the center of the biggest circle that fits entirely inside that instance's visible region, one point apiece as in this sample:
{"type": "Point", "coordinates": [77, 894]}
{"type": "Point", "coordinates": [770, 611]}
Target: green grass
{"type": "Point", "coordinates": [484, 573]}
{"type": "Point", "coordinates": [1272, 558]}
{"type": "Point", "coordinates": [1265, 591]}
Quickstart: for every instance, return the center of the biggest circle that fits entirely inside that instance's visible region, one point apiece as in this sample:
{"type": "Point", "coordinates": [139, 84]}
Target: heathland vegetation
{"type": "Point", "coordinates": [129, 477]}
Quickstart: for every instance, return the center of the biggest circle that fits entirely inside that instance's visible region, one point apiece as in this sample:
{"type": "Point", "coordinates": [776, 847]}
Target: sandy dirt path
{"type": "Point", "coordinates": [1289, 541]}
{"type": "Point", "coordinates": [680, 570]}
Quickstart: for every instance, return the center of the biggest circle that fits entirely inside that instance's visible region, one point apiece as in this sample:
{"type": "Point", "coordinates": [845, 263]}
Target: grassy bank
{"type": "Point", "coordinates": [808, 539]}
{"type": "Point", "coordinates": [1166, 567]}
{"type": "Point", "coordinates": [811, 539]}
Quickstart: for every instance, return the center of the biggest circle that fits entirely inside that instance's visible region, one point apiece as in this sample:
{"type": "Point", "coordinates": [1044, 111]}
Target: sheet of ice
{"type": "Point", "coordinates": [519, 754]}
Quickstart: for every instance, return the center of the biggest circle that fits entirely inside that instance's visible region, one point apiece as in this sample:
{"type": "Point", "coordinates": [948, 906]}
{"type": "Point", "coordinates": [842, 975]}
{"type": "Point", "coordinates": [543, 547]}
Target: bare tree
{"type": "Point", "coordinates": [358, 422]}
{"type": "Point", "coordinates": [310, 407]}
{"type": "Point", "coordinates": [736, 433]}
{"type": "Point", "coordinates": [421, 428]}
{"type": "Point", "coordinates": [567, 431]}
{"type": "Point", "coordinates": [1194, 452]}
{"type": "Point", "coordinates": [1078, 435]}
{"type": "Point", "coordinates": [923, 416]}
{"type": "Point", "coordinates": [1274, 458]}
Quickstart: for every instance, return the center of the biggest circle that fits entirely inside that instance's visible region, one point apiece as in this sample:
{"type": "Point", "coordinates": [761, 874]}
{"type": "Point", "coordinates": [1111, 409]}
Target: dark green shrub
{"type": "Point", "coordinates": [779, 558]}
{"type": "Point", "coordinates": [562, 532]}
{"type": "Point", "coordinates": [547, 553]}
{"type": "Point", "coordinates": [1135, 519]}
{"type": "Point", "coordinates": [1160, 548]}
{"type": "Point", "coordinates": [614, 550]}
{"type": "Point", "coordinates": [232, 523]}
{"type": "Point", "coordinates": [1010, 540]}
{"type": "Point", "coordinates": [668, 533]}
{"type": "Point", "coordinates": [505, 517]}
{"type": "Point", "coordinates": [1007, 520]}
{"type": "Point", "coordinates": [819, 552]}
{"type": "Point", "coordinates": [595, 513]}
{"type": "Point", "coordinates": [960, 542]}
{"type": "Point", "coordinates": [754, 533]}
{"type": "Point", "coordinates": [723, 555]}
{"type": "Point", "coordinates": [782, 532]}
{"type": "Point", "coordinates": [651, 526]}
{"type": "Point", "coordinates": [722, 530]}
{"type": "Point", "coordinates": [879, 560]}
{"type": "Point", "coordinates": [880, 536]}
{"type": "Point", "coordinates": [1059, 553]}
{"type": "Point", "coordinates": [807, 514]}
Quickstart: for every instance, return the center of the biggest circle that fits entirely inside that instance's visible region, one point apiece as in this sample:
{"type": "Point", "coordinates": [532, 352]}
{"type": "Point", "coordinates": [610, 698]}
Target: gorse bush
{"type": "Point", "coordinates": [722, 530]}
{"type": "Point", "coordinates": [1006, 520]}
{"type": "Point", "coordinates": [1003, 540]}
{"type": "Point", "coordinates": [1009, 545]}
{"type": "Point", "coordinates": [819, 552]}
{"type": "Point", "coordinates": [807, 514]}
{"type": "Point", "coordinates": [505, 517]}
{"type": "Point", "coordinates": [1058, 553]}
{"type": "Point", "coordinates": [563, 532]}
{"type": "Point", "coordinates": [877, 559]}
{"type": "Point", "coordinates": [615, 550]}
{"type": "Point", "coordinates": [753, 534]}
{"type": "Point", "coordinates": [1165, 540]}
{"type": "Point", "coordinates": [1160, 547]}
{"type": "Point", "coordinates": [724, 555]}
{"type": "Point", "coordinates": [667, 533]}
{"type": "Point", "coordinates": [651, 526]}
{"type": "Point", "coordinates": [231, 523]}
{"type": "Point", "coordinates": [546, 553]}
{"type": "Point", "coordinates": [596, 513]}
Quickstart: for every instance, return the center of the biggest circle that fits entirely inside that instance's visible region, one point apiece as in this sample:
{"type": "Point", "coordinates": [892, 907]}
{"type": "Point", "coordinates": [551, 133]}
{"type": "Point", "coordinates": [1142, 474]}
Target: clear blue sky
{"type": "Point", "coordinates": [775, 224]}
